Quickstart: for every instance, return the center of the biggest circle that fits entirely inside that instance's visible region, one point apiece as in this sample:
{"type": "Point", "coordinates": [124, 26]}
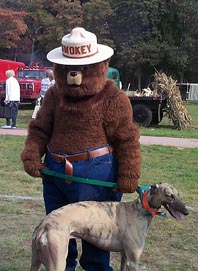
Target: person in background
{"type": "Point", "coordinates": [47, 83]}
{"type": "Point", "coordinates": [12, 98]}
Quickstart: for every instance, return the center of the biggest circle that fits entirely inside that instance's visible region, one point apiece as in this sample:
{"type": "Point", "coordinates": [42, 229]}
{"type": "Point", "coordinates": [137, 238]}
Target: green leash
{"type": "Point", "coordinates": [77, 179]}
{"type": "Point", "coordinates": [95, 182]}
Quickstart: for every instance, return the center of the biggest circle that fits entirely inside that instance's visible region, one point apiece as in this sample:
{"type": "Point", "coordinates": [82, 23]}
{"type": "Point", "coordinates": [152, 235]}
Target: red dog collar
{"type": "Point", "coordinates": [146, 204]}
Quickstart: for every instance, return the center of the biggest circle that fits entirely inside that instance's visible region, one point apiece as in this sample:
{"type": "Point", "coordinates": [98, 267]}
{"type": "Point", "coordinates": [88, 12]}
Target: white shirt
{"type": "Point", "coordinates": [12, 90]}
{"type": "Point", "coordinates": [45, 84]}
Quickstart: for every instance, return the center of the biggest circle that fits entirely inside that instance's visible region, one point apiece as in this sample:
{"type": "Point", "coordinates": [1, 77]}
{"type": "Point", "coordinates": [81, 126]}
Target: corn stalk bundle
{"type": "Point", "coordinates": [177, 110]}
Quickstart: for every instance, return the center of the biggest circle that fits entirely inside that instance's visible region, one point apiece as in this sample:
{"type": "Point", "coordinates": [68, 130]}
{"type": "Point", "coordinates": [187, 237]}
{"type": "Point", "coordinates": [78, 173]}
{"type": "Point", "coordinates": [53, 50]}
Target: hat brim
{"type": "Point", "coordinates": [56, 56]}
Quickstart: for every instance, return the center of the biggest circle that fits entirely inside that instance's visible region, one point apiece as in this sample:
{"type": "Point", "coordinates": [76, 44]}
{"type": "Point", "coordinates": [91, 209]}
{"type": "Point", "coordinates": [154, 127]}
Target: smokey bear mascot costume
{"type": "Point", "coordinates": [84, 128]}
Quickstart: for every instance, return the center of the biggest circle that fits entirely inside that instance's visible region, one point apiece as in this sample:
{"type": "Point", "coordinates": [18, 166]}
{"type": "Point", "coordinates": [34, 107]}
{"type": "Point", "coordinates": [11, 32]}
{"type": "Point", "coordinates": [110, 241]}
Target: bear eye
{"type": "Point", "coordinates": [86, 67]}
{"type": "Point", "coordinates": [62, 68]}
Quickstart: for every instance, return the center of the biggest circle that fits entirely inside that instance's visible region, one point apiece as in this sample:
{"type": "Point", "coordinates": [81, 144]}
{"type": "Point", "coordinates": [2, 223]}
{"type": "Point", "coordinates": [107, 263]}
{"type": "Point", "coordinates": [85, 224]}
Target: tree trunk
{"type": "Point", "coordinates": [181, 76]}
{"type": "Point", "coordinates": [32, 52]}
{"type": "Point", "coordinates": [139, 77]}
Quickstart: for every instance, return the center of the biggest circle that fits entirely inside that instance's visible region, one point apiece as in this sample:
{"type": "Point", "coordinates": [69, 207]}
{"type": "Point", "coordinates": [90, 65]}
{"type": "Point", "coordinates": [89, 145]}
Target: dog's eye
{"type": "Point", "coordinates": [172, 196]}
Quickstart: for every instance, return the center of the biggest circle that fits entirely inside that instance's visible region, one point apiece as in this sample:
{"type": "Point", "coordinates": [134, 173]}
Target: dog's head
{"type": "Point", "coordinates": [166, 195]}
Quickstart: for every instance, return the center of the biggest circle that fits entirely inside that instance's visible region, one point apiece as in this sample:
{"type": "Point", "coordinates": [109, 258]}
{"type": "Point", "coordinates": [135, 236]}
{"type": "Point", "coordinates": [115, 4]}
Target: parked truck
{"type": "Point", "coordinates": [148, 108]}
{"type": "Point", "coordinates": [9, 65]}
{"type": "Point", "coordinates": [29, 79]}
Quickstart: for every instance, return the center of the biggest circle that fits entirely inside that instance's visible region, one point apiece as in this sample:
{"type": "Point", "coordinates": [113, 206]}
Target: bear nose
{"type": "Point", "coordinates": [73, 73]}
{"type": "Point", "coordinates": [74, 78]}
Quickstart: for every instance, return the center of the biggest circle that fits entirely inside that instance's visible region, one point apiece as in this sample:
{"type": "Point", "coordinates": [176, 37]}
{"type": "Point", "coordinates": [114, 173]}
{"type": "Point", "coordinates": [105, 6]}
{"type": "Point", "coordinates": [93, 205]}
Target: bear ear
{"type": "Point", "coordinates": [154, 188]}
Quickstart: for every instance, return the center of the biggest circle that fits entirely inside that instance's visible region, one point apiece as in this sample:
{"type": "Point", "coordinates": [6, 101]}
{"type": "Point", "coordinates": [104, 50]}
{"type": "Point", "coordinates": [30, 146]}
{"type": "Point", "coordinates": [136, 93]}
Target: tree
{"type": "Point", "coordinates": [179, 32]}
{"type": "Point", "coordinates": [40, 32]}
{"type": "Point", "coordinates": [153, 35]}
{"type": "Point", "coordinates": [49, 22]}
{"type": "Point", "coordinates": [96, 15]}
{"type": "Point", "coordinates": [146, 35]}
{"type": "Point", "coordinates": [12, 28]}
{"type": "Point", "coordinates": [70, 14]}
{"type": "Point", "coordinates": [136, 36]}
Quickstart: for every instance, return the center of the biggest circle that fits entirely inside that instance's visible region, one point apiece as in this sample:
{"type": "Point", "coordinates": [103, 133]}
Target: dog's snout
{"type": "Point", "coordinates": [180, 206]}
{"type": "Point", "coordinates": [186, 212]}
{"type": "Point", "coordinates": [73, 73]}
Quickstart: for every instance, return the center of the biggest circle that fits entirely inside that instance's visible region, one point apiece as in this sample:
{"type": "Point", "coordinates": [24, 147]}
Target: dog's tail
{"type": "Point", "coordinates": [49, 248]}
{"type": "Point", "coordinates": [36, 261]}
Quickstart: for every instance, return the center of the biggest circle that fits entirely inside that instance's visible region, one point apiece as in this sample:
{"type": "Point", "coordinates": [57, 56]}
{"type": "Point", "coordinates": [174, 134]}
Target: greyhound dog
{"type": "Point", "coordinates": [113, 226]}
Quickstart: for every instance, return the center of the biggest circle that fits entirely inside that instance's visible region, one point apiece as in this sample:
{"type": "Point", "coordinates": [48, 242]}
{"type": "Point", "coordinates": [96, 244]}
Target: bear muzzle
{"type": "Point", "coordinates": [74, 78]}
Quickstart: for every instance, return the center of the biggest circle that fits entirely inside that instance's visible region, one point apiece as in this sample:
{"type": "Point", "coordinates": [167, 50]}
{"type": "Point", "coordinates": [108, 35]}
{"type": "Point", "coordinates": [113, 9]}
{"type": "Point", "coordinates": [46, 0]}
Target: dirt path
{"type": "Point", "coordinates": [144, 140]}
{"type": "Point", "coordinates": [169, 141]}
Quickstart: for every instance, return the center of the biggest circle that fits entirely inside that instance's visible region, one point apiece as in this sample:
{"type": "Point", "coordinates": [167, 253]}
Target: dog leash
{"type": "Point", "coordinates": [140, 190]}
{"type": "Point", "coordinates": [89, 181]}
{"type": "Point", "coordinates": [77, 179]}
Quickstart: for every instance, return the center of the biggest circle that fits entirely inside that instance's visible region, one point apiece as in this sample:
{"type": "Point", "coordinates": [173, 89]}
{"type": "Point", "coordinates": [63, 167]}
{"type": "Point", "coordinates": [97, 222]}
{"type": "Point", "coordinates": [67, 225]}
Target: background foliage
{"type": "Point", "coordinates": [146, 35]}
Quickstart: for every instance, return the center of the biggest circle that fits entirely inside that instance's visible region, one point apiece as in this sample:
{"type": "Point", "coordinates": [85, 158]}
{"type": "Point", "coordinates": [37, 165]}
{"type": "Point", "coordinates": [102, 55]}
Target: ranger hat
{"type": "Point", "coordinates": [80, 47]}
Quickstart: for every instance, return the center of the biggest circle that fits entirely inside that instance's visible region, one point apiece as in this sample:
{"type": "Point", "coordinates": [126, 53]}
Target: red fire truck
{"type": "Point", "coordinates": [29, 79]}
{"type": "Point", "coordinates": [9, 65]}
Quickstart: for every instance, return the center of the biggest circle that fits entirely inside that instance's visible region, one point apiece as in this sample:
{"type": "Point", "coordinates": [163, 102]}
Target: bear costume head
{"type": "Point", "coordinates": [77, 62]}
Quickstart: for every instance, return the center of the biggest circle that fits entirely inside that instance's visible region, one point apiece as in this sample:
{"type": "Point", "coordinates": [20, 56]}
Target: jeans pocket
{"type": "Point", "coordinates": [102, 168]}
{"type": "Point", "coordinates": [104, 159]}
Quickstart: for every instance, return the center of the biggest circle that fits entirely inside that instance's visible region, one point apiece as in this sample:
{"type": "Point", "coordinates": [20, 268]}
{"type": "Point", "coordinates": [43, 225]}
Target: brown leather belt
{"type": "Point", "coordinates": [68, 159]}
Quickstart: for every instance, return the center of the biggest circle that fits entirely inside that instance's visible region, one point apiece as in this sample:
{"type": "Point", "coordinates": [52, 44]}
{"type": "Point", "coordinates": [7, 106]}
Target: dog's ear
{"type": "Point", "coordinates": [154, 188]}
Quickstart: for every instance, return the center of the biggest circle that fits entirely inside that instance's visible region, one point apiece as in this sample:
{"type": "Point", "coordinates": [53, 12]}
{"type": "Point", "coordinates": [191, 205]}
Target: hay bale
{"type": "Point", "coordinates": [166, 86]}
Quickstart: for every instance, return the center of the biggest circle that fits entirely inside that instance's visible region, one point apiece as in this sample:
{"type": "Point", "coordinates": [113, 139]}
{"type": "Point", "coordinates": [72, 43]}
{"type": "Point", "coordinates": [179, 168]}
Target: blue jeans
{"type": "Point", "coordinates": [57, 193]}
{"type": "Point", "coordinates": [15, 107]}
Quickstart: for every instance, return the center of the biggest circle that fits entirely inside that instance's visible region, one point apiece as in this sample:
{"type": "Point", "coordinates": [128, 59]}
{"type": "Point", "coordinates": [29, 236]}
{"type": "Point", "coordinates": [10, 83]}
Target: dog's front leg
{"type": "Point", "coordinates": [123, 262]}
{"type": "Point", "coordinates": [126, 264]}
{"type": "Point", "coordinates": [132, 266]}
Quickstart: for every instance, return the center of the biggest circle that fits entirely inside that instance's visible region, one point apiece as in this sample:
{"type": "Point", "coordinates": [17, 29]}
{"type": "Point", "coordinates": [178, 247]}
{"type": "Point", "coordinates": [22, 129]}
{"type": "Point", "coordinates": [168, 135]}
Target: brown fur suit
{"type": "Point", "coordinates": [76, 118]}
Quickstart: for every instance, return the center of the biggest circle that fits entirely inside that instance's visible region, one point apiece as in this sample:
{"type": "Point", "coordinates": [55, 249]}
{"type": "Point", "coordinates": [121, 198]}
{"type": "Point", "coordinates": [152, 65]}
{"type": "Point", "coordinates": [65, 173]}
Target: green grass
{"type": "Point", "coordinates": [172, 165]}
{"type": "Point", "coordinates": [170, 245]}
{"type": "Point", "coordinates": [24, 116]}
{"type": "Point", "coordinates": [166, 128]}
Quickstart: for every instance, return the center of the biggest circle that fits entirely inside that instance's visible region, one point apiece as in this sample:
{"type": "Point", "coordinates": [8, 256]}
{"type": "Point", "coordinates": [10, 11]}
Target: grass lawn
{"type": "Point", "coordinates": [170, 245]}
{"type": "Point", "coordinates": [166, 128]}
